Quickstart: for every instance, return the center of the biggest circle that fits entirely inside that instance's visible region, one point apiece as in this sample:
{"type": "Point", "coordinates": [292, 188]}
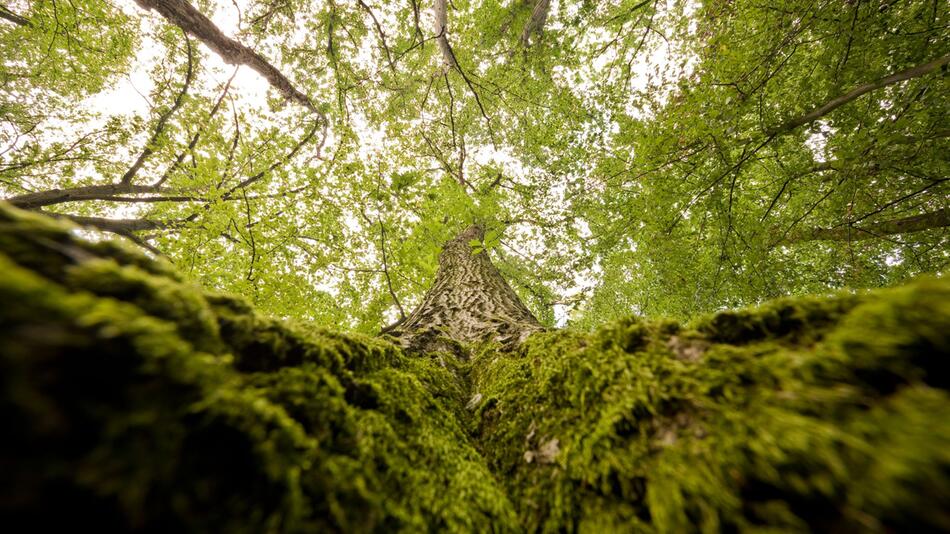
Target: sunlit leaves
{"type": "Point", "coordinates": [621, 158]}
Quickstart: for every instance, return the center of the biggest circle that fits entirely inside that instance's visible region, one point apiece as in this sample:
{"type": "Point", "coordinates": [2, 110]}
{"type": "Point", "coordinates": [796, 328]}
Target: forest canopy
{"type": "Point", "coordinates": [662, 158]}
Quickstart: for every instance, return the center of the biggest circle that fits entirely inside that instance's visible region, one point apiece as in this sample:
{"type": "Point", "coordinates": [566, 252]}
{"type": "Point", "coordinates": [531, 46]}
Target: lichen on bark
{"type": "Point", "coordinates": [133, 400]}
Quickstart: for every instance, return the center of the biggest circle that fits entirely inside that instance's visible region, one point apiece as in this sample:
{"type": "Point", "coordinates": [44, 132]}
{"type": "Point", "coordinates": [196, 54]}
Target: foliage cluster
{"type": "Point", "coordinates": [632, 156]}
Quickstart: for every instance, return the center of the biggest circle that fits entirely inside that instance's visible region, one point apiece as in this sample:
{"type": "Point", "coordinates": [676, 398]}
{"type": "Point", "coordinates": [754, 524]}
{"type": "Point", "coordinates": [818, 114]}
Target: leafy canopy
{"type": "Point", "coordinates": [663, 158]}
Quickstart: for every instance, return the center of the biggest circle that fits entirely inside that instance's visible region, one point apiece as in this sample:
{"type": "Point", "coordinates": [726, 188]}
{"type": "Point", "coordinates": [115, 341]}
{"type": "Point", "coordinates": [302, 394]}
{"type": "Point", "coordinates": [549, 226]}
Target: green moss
{"type": "Point", "coordinates": [164, 298]}
{"type": "Point", "coordinates": [786, 317]}
{"type": "Point", "coordinates": [804, 414]}
{"type": "Point", "coordinates": [132, 400]}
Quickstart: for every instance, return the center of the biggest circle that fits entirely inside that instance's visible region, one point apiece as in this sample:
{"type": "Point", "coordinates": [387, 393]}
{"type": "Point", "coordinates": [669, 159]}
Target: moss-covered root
{"type": "Point", "coordinates": [803, 414]}
{"type": "Point", "coordinates": [131, 400]}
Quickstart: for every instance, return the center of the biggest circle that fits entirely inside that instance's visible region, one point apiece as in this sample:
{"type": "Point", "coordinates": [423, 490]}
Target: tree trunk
{"type": "Point", "coordinates": [469, 302]}
{"type": "Point", "coordinates": [131, 400]}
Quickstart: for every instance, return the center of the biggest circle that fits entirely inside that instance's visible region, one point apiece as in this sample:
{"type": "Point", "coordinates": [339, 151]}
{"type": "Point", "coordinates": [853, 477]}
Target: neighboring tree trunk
{"type": "Point", "coordinates": [469, 302]}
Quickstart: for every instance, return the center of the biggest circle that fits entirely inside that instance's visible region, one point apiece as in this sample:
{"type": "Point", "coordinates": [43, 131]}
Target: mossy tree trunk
{"type": "Point", "coordinates": [133, 401]}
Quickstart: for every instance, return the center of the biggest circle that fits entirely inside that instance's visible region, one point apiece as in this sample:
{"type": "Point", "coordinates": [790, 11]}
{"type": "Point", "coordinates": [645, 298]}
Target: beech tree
{"type": "Point", "coordinates": [500, 239]}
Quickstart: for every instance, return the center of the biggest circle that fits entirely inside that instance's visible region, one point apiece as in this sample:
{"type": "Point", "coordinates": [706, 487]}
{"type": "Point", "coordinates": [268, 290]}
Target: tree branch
{"type": "Point", "coordinates": [76, 194]}
{"type": "Point", "coordinates": [116, 226]}
{"type": "Point", "coordinates": [185, 16]}
{"type": "Point", "coordinates": [194, 139]}
{"type": "Point", "coordinates": [835, 103]}
{"type": "Point", "coordinates": [290, 154]}
{"type": "Point", "coordinates": [10, 16]}
{"type": "Point", "coordinates": [389, 281]}
{"type": "Point", "coordinates": [905, 225]}
{"type": "Point", "coordinates": [535, 23]}
{"type": "Point", "coordinates": [162, 120]}
{"type": "Point", "coordinates": [382, 35]}
{"type": "Point", "coordinates": [440, 21]}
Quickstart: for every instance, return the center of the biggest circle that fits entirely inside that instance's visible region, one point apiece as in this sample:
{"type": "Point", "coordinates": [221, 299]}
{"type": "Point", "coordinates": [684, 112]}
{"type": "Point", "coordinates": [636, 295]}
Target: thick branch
{"type": "Point", "coordinates": [835, 103]}
{"type": "Point", "coordinates": [10, 16]}
{"type": "Point", "coordinates": [116, 226]}
{"type": "Point", "coordinates": [440, 22]}
{"type": "Point", "coordinates": [905, 225]}
{"type": "Point", "coordinates": [76, 194]}
{"type": "Point", "coordinates": [185, 16]}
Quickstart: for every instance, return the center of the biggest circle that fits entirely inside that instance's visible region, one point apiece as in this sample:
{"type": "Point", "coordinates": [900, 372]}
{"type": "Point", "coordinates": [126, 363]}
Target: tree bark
{"type": "Point", "coordinates": [469, 302]}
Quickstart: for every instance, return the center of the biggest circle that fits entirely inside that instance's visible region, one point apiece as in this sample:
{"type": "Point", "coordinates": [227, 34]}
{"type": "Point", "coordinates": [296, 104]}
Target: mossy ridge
{"type": "Point", "coordinates": [134, 400]}
{"type": "Point", "coordinates": [819, 413]}
{"type": "Point", "coordinates": [831, 417]}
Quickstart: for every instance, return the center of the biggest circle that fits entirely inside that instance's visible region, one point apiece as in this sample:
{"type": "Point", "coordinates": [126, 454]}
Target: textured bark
{"type": "Point", "coordinates": [469, 302]}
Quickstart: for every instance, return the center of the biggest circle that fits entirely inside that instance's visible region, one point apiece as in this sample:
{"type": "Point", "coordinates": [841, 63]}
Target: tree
{"type": "Point", "coordinates": [526, 136]}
